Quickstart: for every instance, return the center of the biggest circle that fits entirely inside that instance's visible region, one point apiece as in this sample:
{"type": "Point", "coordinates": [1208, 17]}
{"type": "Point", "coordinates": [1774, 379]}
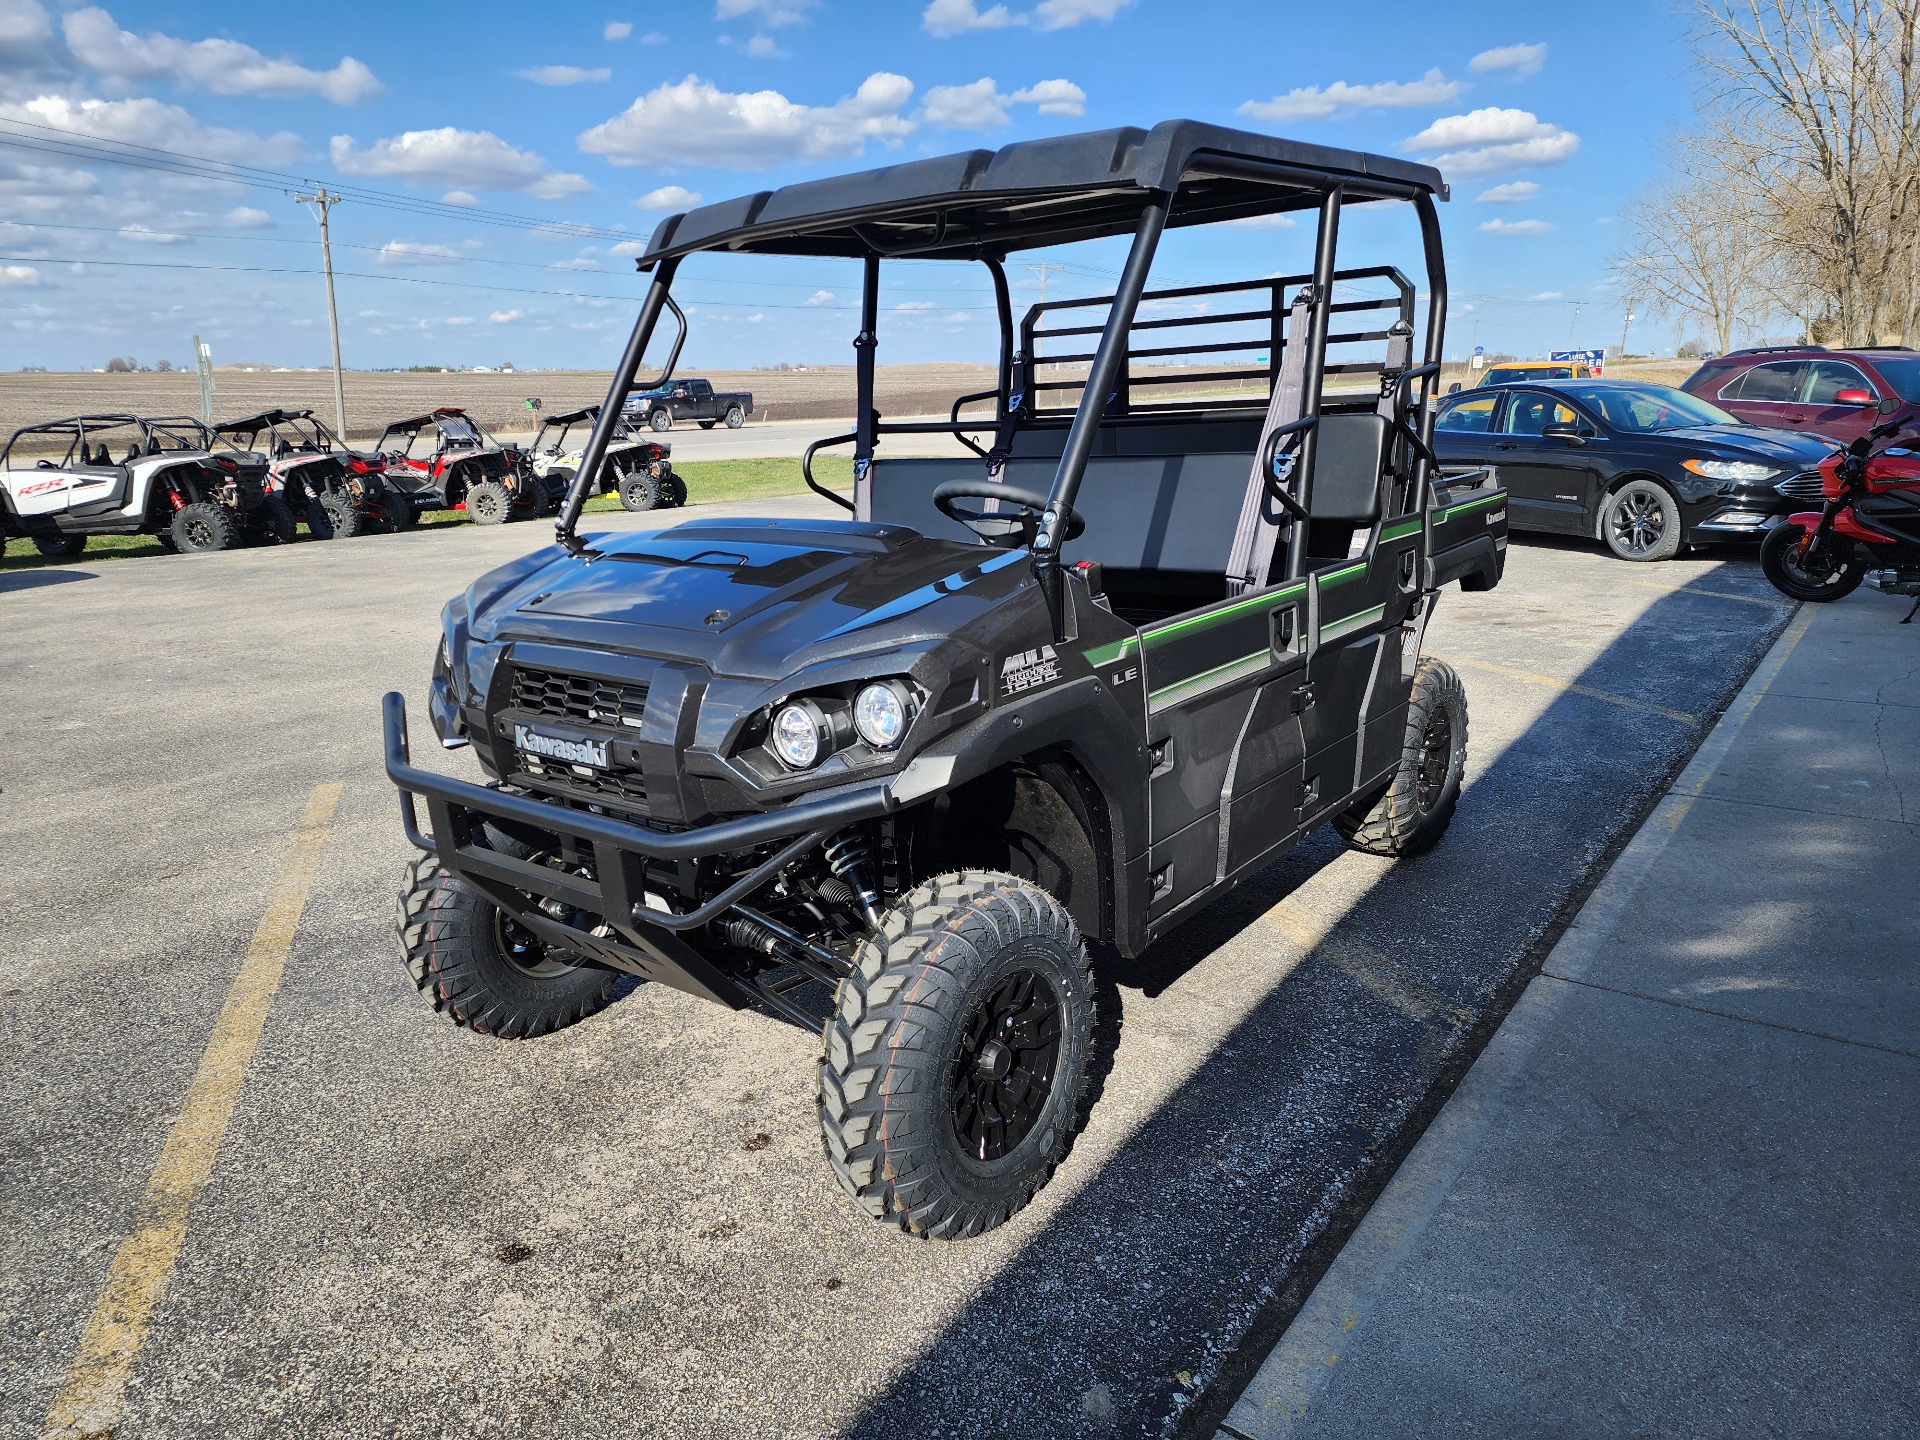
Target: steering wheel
{"type": "Point", "coordinates": [1004, 530]}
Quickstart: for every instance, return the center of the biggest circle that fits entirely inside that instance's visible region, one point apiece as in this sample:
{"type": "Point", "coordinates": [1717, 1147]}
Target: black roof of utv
{"type": "Point", "coordinates": [264, 420]}
{"type": "Point", "coordinates": [981, 203]}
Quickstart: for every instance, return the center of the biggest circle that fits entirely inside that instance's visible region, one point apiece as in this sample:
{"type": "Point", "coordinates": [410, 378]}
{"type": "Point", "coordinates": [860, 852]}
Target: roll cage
{"type": "Point", "coordinates": [453, 428]}
{"type": "Point", "coordinates": [146, 435]}
{"type": "Point", "coordinates": [1057, 370]}
{"type": "Point", "coordinates": [292, 432]}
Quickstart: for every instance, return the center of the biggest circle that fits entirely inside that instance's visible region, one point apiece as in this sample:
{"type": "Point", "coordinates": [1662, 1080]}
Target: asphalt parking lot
{"type": "Point", "coordinates": [627, 1229]}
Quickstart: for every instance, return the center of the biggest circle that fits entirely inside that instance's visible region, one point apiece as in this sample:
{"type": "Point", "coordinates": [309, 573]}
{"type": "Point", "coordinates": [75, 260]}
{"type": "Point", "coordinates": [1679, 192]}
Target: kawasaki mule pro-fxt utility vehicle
{"type": "Point", "coordinates": [636, 470]}
{"type": "Point", "coordinates": [1015, 708]}
{"type": "Point", "coordinates": [338, 493]}
{"type": "Point", "coordinates": [128, 475]}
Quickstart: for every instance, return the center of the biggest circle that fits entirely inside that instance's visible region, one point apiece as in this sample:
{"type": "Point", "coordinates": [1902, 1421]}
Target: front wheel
{"type": "Point", "coordinates": [274, 523]}
{"type": "Point", "coordinates": [1413, 812]}
{"type": "Point", "coordinates": [1641, 521]}
{"type": "Point", "coordinates": [60, 547]}
{"type": "Point", "coordinates": [736, 417]}
{"type": "Point", "coordinates": [1795, 569]}
{"type": "Point", "coordinates": [488, 502]}
{"type": "Point", "coordinates": [957, 1055]}
{"type": "Point", "coordinates": [397, 513]}
{"type": "Point", "coordinates": [673, 489]}
{"type": "Point", "coordinates": [342, 519]}
{"type": "Point", "coordinates": [660, 420]}
{"type": "Point", "coordinates": [481, 969]}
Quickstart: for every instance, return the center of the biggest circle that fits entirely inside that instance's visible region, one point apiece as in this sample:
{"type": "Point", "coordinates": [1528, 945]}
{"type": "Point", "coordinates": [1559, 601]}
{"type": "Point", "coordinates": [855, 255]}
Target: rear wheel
{"type": "Point", "coordinates": [482, 970]}
{"type": "Point", "coordinates": [639, 491]}
{"type": "Point", "coordinates": [60, 547]}
{"type": "Point", "coordinates": [1834, 570]}
{"type": "Point", "coordinates": [673, 489]}
{"type": "Point", "coordinates": [1641, 521]}
{"type": "Point", "coordinates": [203, 527]}
{"type": "Point", "coordinates": [397, 512]}
{"type": "Point", "coordinates": [343, 518]}
{"type": "Point", "coordinates": [488, 502]}
{"type": "Point", "coordinates": [1413, 812]}
{"type": "Point", "coordinates": [956, 1058]}
{"type": "Point", "coordinates": [736, 417]}
{"type": "Point", "coordinates": [274, 523]}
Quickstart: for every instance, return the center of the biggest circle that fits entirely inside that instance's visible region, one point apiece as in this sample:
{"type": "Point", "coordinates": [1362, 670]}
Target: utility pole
{"type": "Point", "coordinates": [1625, 326]}
{"type": "Point", "coordinates": [203, 363]}
{"type": "Point", "coordinates": [1576, 323]}
{"type": "Point", "coordinates": [1043, 270]}
{"type": "Point", "coordinates": [322, 201]}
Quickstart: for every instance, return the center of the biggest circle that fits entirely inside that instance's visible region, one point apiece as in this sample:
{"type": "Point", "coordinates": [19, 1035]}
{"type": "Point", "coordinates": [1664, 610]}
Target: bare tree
{"type": "Point", "coordinates": [1816, 105]}
{"type": "Point", "coordinates": [1693, 249]}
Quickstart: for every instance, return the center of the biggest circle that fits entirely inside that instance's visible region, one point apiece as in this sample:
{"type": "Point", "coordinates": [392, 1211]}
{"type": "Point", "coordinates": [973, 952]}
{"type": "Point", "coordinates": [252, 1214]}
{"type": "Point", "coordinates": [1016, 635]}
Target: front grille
{"type": "Point", "coordinates": [612, 787]}
{"type": "Point", "coordinates": [1807, 486]}
{"type": "Point", "coordinates": [579, 698]}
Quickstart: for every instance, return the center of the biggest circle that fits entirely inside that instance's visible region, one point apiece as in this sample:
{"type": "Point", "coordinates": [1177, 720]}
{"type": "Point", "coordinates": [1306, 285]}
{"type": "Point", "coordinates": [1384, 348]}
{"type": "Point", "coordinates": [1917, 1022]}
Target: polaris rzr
{"type": "Point", "coordinates": [904, 778]}
{"type": "Point", "coordinates": [447, 460]}
{"type": "Point", "coordinates": [335, 491]}
{"type": "Point", "coordinates": [636, 470]}
{"type": "Point", "coordinates": [124, 475]}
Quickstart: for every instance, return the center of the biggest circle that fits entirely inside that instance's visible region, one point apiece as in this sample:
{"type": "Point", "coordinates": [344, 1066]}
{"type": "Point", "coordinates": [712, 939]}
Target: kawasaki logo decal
{"type": "Point", "coordinates": [553, 747]}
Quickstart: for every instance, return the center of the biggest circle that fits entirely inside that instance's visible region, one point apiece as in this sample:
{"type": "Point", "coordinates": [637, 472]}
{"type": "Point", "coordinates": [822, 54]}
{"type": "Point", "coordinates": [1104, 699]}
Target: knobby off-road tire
{"type": "Point", "coordinates": [1413, 812]}
{"type": "Point", "coordinates": [639, 491]}
{"type": "Point", "coordinates": [488, 503]}
{"type": "Point", "coordinates": [1641, 521]}
{"type": "Point", "coordinates": [956, 1059]}
{"type": "Point", "coordinates": [482, 971]}
{"type": "Point", "coordinates": [273, 522]}
{"type": "Point", "coordinates": [398, 512]}
{"type": "Point", "coordinates": [58, 547]}
{"type": "Point", "coordinates": [1835, 573]}
{"type": "Point", "coordinates": [203, 527]}
{"type": "Point", "coordinates": [673, 489]}
{"type": "Point", "coordinates": [340, 518]}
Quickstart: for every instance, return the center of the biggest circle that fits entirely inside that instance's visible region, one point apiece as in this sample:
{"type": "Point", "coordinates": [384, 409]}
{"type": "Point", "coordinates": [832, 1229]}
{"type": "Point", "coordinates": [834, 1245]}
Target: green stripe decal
{"type": "Point", "coordinates": [1340, 577]}
{"type": "Point", "coordinates": [1120, 649]}
{"type": "Point", "coordinates": [1329, 631]}
{"type": "Point", "coordinates": [1209, 680]}
{"type": "Point", "coordinates": [1453, 510]}
{"type": "Point", "coordinates": [1401, 530]}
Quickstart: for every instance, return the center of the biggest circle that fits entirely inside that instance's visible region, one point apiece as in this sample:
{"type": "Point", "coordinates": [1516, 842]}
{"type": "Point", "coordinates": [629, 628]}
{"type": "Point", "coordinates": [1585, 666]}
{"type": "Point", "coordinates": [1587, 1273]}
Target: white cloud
{"type": "Point", "coordinates": [915, 307]}
{"type": "Point", "coordinates": [947, 18]}
{"type": "Point", "coordinates": [578, 262]}
{"type": "Point", "coordinates": [819, 297]}
{"type": "Point", "coordinates": [981, 105]}
{"type": "Point", "coordinates": [627, 249]}
{"type": "Point", "coordinates": [669, 197]}
{"type": "Point", "coordinates": [459, 197]}
{"type": "Point", "coordinates": [1515, 227]}
{"type": "Point", "coordinates": [616, 30]}
{"type": "Point", "coordinates": [1266, 222]}
{"type": "Point", "coordinates": [694, 122]}
{"type": "Point", "coordinates": [565, 75]}
{"type": "Point", "coordinates": [183, 225]}
{"type": "Point", "coordinates": [1548, 295]}
{"type": "Point", "coordinates": [458, 320]}
{"type": "Point", "coordinates": [653, 37]}
{"type": "Point", "coordinates": [1315, 102]}
{"type": "Point", "coordinates": [1054, 97]}
{"type": "Point", "coordinates": [1494, 139]}
{"type": "Point", "coordinates": [468, 159]}
{"type": "Point", "coordinates": [761, 47]}
{"type": "Point", "coordinates": [413, 252]}
{"type": "Point", "coordinates": [503, 317]}
{"type": "Point", "coordinates": [767, 12]}
{"type": "Point", "coordinates": [148, 122]}
{"type": "Point", "coordinates": [1522, 60]}
{"type": "Point", "coordinates": [225, 67]}
{"type": "Point", "coordinates": [1511, 193]}
{"type": "Point", "coordinates": [19, 275]}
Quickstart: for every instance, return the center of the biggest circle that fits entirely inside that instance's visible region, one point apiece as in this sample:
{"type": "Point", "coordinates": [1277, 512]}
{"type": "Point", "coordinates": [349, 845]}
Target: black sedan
{"type": "Point", "coordinates": [1645, 469]}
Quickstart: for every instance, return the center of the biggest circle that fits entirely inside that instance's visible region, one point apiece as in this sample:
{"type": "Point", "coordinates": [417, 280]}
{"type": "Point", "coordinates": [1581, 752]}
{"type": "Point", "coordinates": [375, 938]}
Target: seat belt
{"type": "Point", "coordinates": [1399, 360]}
{"type": "Point", "coordinates": [1260, 514]}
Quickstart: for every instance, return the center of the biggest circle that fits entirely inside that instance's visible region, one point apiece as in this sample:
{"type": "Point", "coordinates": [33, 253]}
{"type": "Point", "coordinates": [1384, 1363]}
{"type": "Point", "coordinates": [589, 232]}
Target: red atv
{"type": "Point", "coordinates": [447, 460]}
{"type": "Point", "coordinates": [337, 492]}
{"type": "Point", "coordinates": [1868, 529]}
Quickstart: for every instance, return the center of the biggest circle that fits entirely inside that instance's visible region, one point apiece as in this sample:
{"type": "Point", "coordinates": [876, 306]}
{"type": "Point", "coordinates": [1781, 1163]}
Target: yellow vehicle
{"type": "Point", "coordinates": [1513, 371]}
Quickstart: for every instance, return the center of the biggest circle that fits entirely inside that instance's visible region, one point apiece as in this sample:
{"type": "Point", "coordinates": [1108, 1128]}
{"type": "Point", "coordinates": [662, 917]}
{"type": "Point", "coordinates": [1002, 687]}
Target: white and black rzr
{"type": "Point", "coordinates": [635, 469]}
{"type": "Point", "coordinates": [124, 475]}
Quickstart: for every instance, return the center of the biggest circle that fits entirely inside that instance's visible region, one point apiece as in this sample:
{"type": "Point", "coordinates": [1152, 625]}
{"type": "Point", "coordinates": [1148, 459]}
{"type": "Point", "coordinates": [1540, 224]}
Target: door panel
{"type": "Point", "coordinates": [1550, 482]}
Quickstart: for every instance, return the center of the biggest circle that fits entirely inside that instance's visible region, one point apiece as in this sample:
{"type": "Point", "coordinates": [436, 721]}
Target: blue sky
{"type": "Point", "coordinates": [1545, 120]}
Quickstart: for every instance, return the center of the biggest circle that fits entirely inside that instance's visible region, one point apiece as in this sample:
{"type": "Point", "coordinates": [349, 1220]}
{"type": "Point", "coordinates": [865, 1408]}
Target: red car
{"type": "Point", "coordinates": [1808, 387]}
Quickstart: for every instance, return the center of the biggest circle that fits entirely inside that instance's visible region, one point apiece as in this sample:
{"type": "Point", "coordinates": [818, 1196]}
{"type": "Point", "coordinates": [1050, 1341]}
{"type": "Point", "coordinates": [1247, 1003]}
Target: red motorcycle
{"type": "Point", "coordinates": [1868, 529]}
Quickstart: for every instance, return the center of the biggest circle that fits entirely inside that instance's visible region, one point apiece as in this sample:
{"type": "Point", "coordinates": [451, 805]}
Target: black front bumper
{"type": "Point", "coordinates": [635, 937]}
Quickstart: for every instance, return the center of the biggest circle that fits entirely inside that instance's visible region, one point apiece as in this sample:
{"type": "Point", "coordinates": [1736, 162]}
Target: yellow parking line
{"type": "Point", "coordinates": [89, 1400]}
{"type": "Point", "coordinates": [1770, 601]}
{"type": "Point", "coordinates": [1534, 678]}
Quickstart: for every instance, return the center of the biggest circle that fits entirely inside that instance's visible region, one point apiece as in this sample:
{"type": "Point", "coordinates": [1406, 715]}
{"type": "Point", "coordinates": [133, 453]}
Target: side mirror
{"type": "Point", "coordinates": [1858, 398]}
{"type": "Point", "coordinates": [1569, 433]}
{"type": "Point", "coordinates": [1887, 405]}
{"type": "Point", "coordinates": [1454, 388]}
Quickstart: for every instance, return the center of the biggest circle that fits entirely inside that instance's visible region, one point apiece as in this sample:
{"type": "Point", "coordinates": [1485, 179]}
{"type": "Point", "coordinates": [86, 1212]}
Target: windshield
{"type": "Point", "coordinates": [1506, 375]}
{"type": "Point", "coordinates": [459, 432]}
{"type": "Point", "coordinates": [1645, 409]}
{"type": "Point", "coordinates": [1902, 373]}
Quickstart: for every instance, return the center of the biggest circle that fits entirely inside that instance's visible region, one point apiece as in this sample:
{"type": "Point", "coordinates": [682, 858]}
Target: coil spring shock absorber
{"type": "Point", "coordinates": [849, 855]}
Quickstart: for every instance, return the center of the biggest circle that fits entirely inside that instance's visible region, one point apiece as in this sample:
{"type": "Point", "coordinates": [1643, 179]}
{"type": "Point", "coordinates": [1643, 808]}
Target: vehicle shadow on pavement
{"type": "Point", "coordinates": [40, 579]}
{"type": "Point", "coordinates": [1146, 1301]}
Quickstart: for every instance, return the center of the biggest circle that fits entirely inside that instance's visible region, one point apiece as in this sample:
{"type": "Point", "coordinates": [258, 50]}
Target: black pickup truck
{"type": "Point", "coordinates": [689, 400]}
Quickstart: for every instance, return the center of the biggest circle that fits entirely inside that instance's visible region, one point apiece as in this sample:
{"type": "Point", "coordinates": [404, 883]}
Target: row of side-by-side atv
{"type": "Point", "coordinates": [258, 478]}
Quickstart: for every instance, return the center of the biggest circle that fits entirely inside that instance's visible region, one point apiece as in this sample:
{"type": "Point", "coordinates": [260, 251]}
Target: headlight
{"type": "Point", "coordinates": [880, 716]}
{"type": "Point", "coordinates": [796, 735]}
{"type": "Point", "coordinates": [1730, 469]}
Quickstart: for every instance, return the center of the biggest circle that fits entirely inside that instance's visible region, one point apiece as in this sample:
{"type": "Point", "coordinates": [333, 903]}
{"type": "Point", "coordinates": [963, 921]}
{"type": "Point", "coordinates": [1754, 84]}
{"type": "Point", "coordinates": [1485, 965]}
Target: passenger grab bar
{"type": "Point", "coordinates": [806, 470]}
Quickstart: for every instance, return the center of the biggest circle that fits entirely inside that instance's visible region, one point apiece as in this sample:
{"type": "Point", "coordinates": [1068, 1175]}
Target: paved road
{"type": "Point", "coordinates": [627, 1229]}
{"type": "Point", "coordinates": [778, 439]}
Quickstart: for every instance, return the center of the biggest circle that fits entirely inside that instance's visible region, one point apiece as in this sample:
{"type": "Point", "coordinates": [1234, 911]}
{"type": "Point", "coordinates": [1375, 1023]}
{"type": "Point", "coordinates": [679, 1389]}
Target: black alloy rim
{"type": "Point", "coordinates": [1003, 1066]}
{"type": "Point", "coordinates": [523, 950]}
{"type": "Point", "coordinates": [1436, 760]}
{"type": "Point", "coordinates": [199, 533]}
{"type": "Point", "coordinates": [1638, 522]}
